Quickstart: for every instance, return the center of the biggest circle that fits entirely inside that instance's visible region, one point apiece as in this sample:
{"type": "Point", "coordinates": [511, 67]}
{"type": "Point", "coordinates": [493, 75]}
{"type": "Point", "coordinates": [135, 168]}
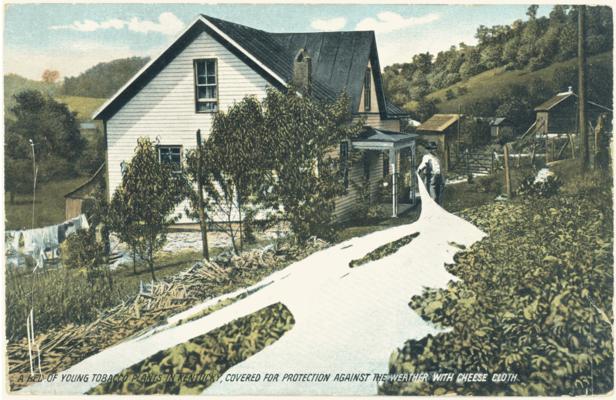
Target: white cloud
{"type": "Point", "coordinates": [388, 21]}
{"type": "Point", "coordinates": [167, 24]}
{"type": "Point", "coordinates": [333, 24]}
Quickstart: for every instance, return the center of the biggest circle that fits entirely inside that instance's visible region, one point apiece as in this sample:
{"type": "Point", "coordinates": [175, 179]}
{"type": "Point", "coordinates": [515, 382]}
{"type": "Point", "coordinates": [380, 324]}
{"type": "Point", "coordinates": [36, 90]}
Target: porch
{"type": "Point", "coordinates": [392, 144]}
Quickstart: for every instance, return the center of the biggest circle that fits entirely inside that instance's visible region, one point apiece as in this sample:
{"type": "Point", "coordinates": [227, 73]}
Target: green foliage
{"type": "Point", "coordinates": [535, 299]}
{"type": "Point", "coordinates": [83, 252]}
{"type": "Point", "coordinates": [141, 209]}
{"type": "Point", "coordinates": [104, 79]}
{"type": "Point", "coordinates": [475, 132]}
{"type": "Point", "coordinates": [384, 251]}
{"type": "Point", "coordinates": [235, 163]}
{"type": "Point", "coordinates": [278, 154]}
{"type": "Point", "coordinates": [48, 123]}
{"type": "Point", "coordinates": [304, 138]}
{"type": "Point", "coordinates": [18, 177]}
{"type": "Point", "coordinates": [211, 354]}
{"type": "Point", "coordinates": [531, 45]}
{"type": "Point", "coordinates": [543, 188]}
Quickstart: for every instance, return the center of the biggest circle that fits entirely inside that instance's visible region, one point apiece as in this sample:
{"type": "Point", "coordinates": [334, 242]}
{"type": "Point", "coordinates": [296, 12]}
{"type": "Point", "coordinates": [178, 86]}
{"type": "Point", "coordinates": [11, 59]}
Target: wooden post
{"type": "Point", "coordinates": [507, 172]}
{"type": "Point", "coordinates": [202, 215]}
{"type": "Point", "coordinates": [412, 168]}
{"type": "Point", "coordinates": [492, 164]}
{"type": "Point", "coordinates": [582, 87]}
{"type": "Point", "coordinates": [394, 184]}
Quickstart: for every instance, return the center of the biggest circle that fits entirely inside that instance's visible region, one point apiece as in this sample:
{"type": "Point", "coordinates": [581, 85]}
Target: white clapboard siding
{"type": "Point", "coordinates": [165, 107]}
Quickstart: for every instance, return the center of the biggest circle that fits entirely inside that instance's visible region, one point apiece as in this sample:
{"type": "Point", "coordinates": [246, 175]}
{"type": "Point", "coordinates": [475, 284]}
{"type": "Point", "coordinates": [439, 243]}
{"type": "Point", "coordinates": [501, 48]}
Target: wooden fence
{"type": "Point", "coordinates": [468, 162]}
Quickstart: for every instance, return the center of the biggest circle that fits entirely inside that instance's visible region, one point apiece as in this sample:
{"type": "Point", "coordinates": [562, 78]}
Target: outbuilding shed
{"type": "Point", "coordinates": [79, 200]}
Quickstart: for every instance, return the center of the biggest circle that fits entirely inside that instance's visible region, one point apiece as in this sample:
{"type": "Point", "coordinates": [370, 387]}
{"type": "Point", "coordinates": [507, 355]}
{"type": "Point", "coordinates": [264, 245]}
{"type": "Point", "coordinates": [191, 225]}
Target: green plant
{"type": "Point", "coordinates": [304, 137]}
{"type": "Point", "coordinates": [83, 252]}
{"type": "Point", "coordinates": [535, 299]}
{"type": "Point", "coordinates": [543, 188]}
{"type": "Point", "coordinates": [142, 207]}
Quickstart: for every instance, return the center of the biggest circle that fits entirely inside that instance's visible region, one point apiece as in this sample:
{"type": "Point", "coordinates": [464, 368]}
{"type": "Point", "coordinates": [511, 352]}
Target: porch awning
{"type": "Point", "coordinates": [378, 139]}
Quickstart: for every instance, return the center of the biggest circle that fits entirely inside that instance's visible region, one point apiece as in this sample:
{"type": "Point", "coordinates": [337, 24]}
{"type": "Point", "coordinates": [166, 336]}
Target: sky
{"type": "Point", "coordinates": [71, 38]}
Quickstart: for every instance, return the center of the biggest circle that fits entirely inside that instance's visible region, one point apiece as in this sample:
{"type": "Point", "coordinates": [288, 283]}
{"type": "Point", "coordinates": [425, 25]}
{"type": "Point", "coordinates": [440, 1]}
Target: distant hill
{"type": "Point", "coordinates": [83, 106]}
{"type": "Point", "coordinates": [530, 45]}
{"type": "Point", "coordinates": [557, 77]}
{"type": "Point", "coordinates": [104, 79]}
{"type": "Point", "coordinates": [14, 84]}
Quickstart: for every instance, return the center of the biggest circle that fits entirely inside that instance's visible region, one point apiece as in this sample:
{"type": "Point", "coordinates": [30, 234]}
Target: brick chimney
{"type": "Point", "coordinates": [302, 71]}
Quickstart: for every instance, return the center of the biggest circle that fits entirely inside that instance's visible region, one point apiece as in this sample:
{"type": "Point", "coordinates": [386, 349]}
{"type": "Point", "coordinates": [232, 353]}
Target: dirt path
{"type": "Point", "coordinates": [348, 320]}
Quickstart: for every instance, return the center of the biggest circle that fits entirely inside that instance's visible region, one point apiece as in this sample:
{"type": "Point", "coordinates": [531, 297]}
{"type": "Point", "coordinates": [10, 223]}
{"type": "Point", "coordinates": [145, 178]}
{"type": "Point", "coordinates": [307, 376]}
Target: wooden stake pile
{"type": "Point", "coordinates": [65, 346]}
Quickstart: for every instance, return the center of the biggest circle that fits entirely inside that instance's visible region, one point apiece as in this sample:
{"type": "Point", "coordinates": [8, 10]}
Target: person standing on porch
{"type": "Point", "coordinates": [430, 166]}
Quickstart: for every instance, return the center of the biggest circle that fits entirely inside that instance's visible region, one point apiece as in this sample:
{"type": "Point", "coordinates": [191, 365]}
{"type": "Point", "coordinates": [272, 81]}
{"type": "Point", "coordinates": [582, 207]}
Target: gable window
{"type": "Point", "coordinates": [206, 85]}
{"type": "Point", "coordinates": [367, 89]}
{"type": "Point", "coordinates": [171, 155]}
{"type": "Point", "coordinates": [344, 163]}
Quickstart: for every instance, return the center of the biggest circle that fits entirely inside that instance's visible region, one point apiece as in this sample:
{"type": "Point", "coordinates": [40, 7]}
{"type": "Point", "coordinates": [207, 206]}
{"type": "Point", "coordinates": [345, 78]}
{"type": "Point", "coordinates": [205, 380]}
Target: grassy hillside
{"type": "Point", "coordinates": [14, 84]}
{"type": "Point", "coordinates": [83, 106]}
{"type": "Point", "coordinates": [489, 83]}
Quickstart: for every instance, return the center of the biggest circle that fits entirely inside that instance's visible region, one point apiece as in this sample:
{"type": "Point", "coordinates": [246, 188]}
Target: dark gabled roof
{"type": "Point", "coordinates": [395, 111]}
{"type": "Point", "coordinates": [550, 103]}
{"type": "Point", "coordinates": [560, 97]}
{"type": "Point", "coordinates": [439, 122]}
{"type": "Point", "coordinates": [339, 60]}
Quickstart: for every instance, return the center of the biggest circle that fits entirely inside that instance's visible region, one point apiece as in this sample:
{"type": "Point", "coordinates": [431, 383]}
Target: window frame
{"type": "Point", "coordinates": [368, 89]}
{"type": "Point", "coordinates": [197, 85]}
{"type": "Point", "coordinates": [168, 146]}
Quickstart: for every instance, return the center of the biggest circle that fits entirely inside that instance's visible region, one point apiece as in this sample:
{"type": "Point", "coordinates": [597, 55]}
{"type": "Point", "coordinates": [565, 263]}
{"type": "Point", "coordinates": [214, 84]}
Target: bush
{"type": "Point", "coordinates": [449, 94]}
{"type": "Point", "coordinates": [542, 188]}
{"type": "Point", "coordinates": [82, 251]}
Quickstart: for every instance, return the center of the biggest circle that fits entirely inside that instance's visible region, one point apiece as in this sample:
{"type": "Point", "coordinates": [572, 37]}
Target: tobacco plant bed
{"type": "Point", "coordinates": [190, 367]}
{"type": "Point", "coordinates": [534, 299]}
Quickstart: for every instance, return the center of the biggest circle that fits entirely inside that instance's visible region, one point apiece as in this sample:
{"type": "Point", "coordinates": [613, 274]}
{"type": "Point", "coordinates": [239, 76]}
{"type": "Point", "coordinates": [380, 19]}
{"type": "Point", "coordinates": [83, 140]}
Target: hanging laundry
{"type": "Point", "coordinates": [36, 242]}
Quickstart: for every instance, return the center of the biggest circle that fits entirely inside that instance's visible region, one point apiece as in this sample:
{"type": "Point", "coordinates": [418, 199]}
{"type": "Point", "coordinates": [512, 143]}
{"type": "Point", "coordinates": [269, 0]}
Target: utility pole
{"type": "Point", "coordinates": [34, 174]}
{"type": "Point", "coordinates": [582, 128]}
{"type": "Point", "coordinates": [202, 215]}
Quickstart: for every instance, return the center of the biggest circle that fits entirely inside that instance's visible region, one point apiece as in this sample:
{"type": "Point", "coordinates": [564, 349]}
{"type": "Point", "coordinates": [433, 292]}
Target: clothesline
{"type": "Point", "coordinates": [36, 242]}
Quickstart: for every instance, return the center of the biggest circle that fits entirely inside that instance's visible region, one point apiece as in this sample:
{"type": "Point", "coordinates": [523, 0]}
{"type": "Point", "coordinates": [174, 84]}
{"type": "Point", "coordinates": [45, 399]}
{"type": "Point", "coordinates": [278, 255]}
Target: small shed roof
{"type": "Point", "coordinates": [552, 102]}
{"type": "Point", "coordinates": [500, 121]}
{"type": "Point", "coordinates": [84, 188]}
{"type": "Point", "coordinates": [439, 122]}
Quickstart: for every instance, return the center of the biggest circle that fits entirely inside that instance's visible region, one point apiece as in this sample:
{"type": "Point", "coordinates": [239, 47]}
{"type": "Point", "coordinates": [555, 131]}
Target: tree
{"type": "Point", "coordinates": [49, 124]}
{"type": "Point", "coordinates": [145, 200]}
{"type": "Point", "coordinates": [18, 177]}
{"type": "Point", "coordinates": [236, 164]}
{"type": "Point", "coordinates": [50, 76]}
{"type": "Point", "coordinates": [304, 138]}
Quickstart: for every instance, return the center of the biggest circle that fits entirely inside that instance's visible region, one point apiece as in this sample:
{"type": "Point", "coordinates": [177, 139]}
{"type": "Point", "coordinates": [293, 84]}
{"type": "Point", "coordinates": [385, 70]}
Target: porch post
{"type": "Point", "coordinates": [412, 181]}
{"type": "Point", "coordinates": [394, 184]}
